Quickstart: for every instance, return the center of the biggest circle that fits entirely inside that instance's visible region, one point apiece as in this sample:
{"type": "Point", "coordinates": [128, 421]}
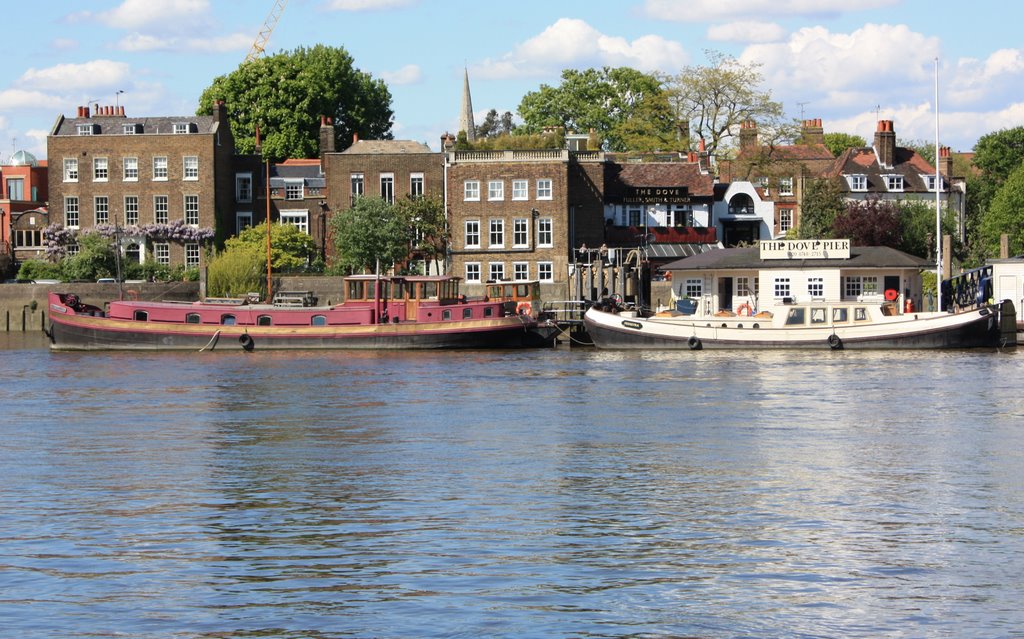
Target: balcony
{"type": "Point", "coordinates": [632, 235]}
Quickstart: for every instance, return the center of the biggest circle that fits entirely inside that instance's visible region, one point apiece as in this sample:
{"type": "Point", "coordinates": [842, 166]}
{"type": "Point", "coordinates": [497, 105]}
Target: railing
{"type": "Point", "coordinates": [535, 155]}
{"type": "Point", "coordinates": [565, 312]}
{"type": "Point", "coordinates": [967, 290]}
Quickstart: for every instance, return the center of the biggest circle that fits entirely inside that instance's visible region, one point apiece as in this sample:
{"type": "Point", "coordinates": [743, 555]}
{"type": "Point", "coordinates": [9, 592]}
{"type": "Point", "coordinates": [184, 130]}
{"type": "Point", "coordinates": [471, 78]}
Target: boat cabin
{"type": "Point", "coordinates": [525, 294]}
{"type": "Point", "coordinates": [778, 273]}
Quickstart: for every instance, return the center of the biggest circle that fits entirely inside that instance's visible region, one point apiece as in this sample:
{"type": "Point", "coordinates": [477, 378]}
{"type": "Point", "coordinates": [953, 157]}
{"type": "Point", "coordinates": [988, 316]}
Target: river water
{"type": "Point", "coordinates": [565, 493]}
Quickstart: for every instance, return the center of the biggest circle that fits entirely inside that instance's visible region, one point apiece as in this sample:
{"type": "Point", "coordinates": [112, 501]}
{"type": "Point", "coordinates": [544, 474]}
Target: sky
{"type": "Point", "coordinates": [849, 63]}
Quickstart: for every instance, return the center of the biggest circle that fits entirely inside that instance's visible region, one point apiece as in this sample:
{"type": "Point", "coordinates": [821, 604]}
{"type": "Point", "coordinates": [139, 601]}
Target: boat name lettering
{"type": "Point", "coordinates": [805, 249]}
{"type": "Point", "coordinates": [58, 308]}
{"type": "Point", "coordinates": [632, 324]}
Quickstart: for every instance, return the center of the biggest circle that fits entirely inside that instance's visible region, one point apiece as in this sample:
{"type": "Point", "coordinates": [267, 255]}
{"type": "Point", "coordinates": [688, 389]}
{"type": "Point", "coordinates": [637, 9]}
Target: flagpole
{"type": "Point", "coordinates": [938, 192]}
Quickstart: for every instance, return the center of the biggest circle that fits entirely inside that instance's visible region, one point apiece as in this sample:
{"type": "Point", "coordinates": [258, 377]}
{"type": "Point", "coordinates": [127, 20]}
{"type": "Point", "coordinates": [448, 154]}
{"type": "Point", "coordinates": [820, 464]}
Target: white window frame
{"type": "Point", "coordinates": [786, 186]}
{"type": "Point", "coordinates": [416, 185]}
{"type": "Point", "coordinates": [472, 228]}
{"type": "Point", "coordinates": [858, 182]}
{"type": "Point", "coordinates": [894, 183]}
{"type": "Point", "coordinates": [816, 287]}
{"type": "Point", "coordinates": [473, 272]}
{"type": "Point", "coordinates": [190, 167]}
{"type": "Point", "coordinates": [100, 169]}
{"type": "Point", "coordinates": [495, 190]}
{"type": "Point", "coordinates": [70, 169]}
{"type": "Point", "coordinates": [192, 254]}
{"type": "Point", "coordinates": [243, 187]}
{"type": "Point", "coordinates": [72, 213]}
{"type": "Point", "coordinates": [84, 129]}
{"type": "Point", "coordinates": [190, 209]}
{"type": "Point", "coordinates": [545, 232]}
{"type": "Point", "coordinates": [299, 218]}
{"type": "Point", "coordinates": [520, 271]}
{"type": "Point", "coordinates": [161, 203]}
{"type": "Point", "coordinates": [387, 187]}
{"type": "Point", "coordinates": [160, 172]}
{"type": "Point", "coordinates": [546, 271]}
{"type": "Point", "coordinates": [101, 204]}
{"type": "Point", "coordinates": [520, 190]}
{"type": "Point", "coordinates": [130, 169]}
{"type": "Point", "coordinates": [181, 128]}
{"type": "Point", "coordinates": [782, 287]}
{"type": "Point", "coordinates": [521, 232]}
{"type": "Point", "coordinates": [471, 191]}
{"type": "Point", "coordinates": [545, 189]}
{"type": "Point", "coordinates": [785, 220]}
{"type": "Point", "coordinates": [357, 185]}
{"type": "Point", "coordinates": [128, 129]}
{"type": "Point", "coordinates": [693, 287]}
{"type": "Point", "coordinates": [162, 253]}
{"type": "Point", "coordinates": [131, 210]}
{"type": "Point", "coordinates": [294, 190]}
{"type": "Point", "coordinates": [496, 233]}
{"type": "Point", "coordinates": [495, 271]}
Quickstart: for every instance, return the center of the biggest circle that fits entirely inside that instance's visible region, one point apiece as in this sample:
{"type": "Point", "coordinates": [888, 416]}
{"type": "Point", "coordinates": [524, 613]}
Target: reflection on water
{"type": "Point", "coordinates": [554, 494]}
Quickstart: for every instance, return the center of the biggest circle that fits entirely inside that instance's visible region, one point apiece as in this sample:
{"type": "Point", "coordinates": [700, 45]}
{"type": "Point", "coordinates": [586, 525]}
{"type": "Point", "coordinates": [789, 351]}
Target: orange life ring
{"type": "Point", "coordinates": [524, 308]}
{"type": "Point", "coordinates": [745, 310]}
{"type": "Point", "coordinates": [891, 294]}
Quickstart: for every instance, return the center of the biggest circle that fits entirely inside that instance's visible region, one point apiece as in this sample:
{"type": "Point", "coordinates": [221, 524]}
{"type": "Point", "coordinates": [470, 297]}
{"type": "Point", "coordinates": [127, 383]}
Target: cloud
{"type": "Point", "coordinates": [716, 10]}
{"type": "Point", "coordinates": [409, 74]}
{"type": "Point", "coordinates": [368, 5]}
{"type": "Point", "coordinates": [972, 81]}
{"type": "Point", "coordinates": [11, 99]}
{"type": "Point", "coordinates": [574, 43]}
{"type": "Point", "coordinates": [137, 42]}
{"type": "Point", "coordinates": [64, 44]}
{"type": "Point", "coordinates": [145, 14]}
{"type": "Point", "coordinates": [746, 31]}
{"type": "Point", "coordinates": [64, 78]}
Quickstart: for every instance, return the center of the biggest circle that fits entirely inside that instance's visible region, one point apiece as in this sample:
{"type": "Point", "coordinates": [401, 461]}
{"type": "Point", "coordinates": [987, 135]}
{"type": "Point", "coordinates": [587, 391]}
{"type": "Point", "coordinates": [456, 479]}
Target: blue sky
{"type": "Point", "coordinates": [848, 63]}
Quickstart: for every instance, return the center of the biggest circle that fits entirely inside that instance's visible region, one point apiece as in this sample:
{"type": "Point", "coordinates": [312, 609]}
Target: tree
{"type": "Point", "coordinates": [291, 249]}
{"type": "Point", "coordinates": [917, 221]}
{"type": "Point", "coordinates": [837, 143]}
{"type": "Point", "coordinates": [494, 126]}
{"type": "Point", "coordinates": [285, 94]}
{"type": "Point", "coordinates": [426, 217]}
{"type": "Point", "coordinates": [872, 222]}
{"type": "Point", "coordinates": [711, 102]}
{"type": "Point", "coordinates": [95, 258]}
{"type": "Point", "coordinates": [822, 204]}
{"type": "Point", "coordinates": [604, 100]}
{"type": "Point", "coordinates": [236, 271]}
{"type": "Point", "coordinates": [999, 154]}
{"type": "Point", "coordinates": [372, 233]}
{"type": "Point", "coordinates": [1004, 215]}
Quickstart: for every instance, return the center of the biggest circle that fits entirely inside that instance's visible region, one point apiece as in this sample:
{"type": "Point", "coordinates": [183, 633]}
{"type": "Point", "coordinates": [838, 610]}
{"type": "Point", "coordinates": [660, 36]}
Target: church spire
{"type": "Point", "coordinates": [466, 117]}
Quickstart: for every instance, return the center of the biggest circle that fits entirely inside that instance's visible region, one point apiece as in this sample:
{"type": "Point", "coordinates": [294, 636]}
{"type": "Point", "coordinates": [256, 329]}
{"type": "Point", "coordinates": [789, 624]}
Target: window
{"type": "Point", "coordinates": [545, 234]}
{"type": "Point", "coordinates": [496, 272]}
{"type": "Point", "coordinates": [160, 168]}
{"type": "Point", "coordinates": [101, 205]}
{"type": "Point", "coordinates": [416, 185]}
{"type": "Point", "coordinates": [782, 287]}
{"type": "Point", "coordinates": [520, 189]}
{"type": "Point", "coordinates": [162, 252]}
{"type": "Point", "coordinates": [131, 169]}
{"type": "Point", "coordinates": [856, 285]}
{"type": "Point", "coordinates": [520, 270]}
{"type": "Point", "coordinates": [786, 186]}
{"type": "Point", "coordinates": [318, 320]}
{"type": "Point", "coordinates": [293, 189]}
{"type": "Point", "coordinates": [473, 234]}
{"type": "Point", "coordinates": [785, 220]}
{"type": "Point", "coordinates": [243, 187]}
{"type": "Point", "coordinates": [192, 255]}
{"type": "Point", "coordinates": [931, 181]}
{"type": "Point", "coordinates": [818, 315]}
{"type": "Point", "coordinates": [816, 287]}
{"type": "Point", "coordinates": [796, 316]}
{"type": "Point", "coordinates": [28, 239]}
{"type": "Point", "coordinates": [858, 182]}
{"type": "Point", "coordinates": [693, 287]}
{"type": "Point", "coordinates": [545, 272]}
{"type": "Point", "coordinates": [160, 209]}
{"type": "Point", "coordinates": [131, 210]}
{"type": "Point", "coordinates": [521, 232]}
{"type": "Point", "coordinates": [15, 188]}
{"type": "Point", "coordinates": [71, 212]}
{"type": "Point", "coordinates": [634, 215]}
{"type": "Point", "coordinates": [473, 272]}
{"type": "Point", "coordinates": [387, 187]}
{"type": "Point", "coordinates": [356, 180]}
{"type": "Point", "coordinates": [495, 190]}
{"type": "Point", "coordinates": [227, 319]}
{"type": "Point", "coordinates": [743, 288]}
{"type": "Point", "coordinates": [190, 167]}
{"type": "Point", "coordinates": [544, 189]}
{"type": "Point", "coordinates": [70, 170]}
{"type": "Point", "coordinates": [496, 237]}
{"type": "Point", "coordinates": [84, 129]}
{"type": "Point", "coordinates": [471, 191]}
{"type": "Point", "coordinates": [192, 318]}
{"type": "Point", "coordinates": [129, 129]}
{"type": "Point", "coordinates": [298, 219]}
{"type": "Point", "coordinates": [99, 169]}
{"type": "Point", "coordinates": [180, 128]}
{"type": "Point", "coordinates": [192, 210]}
{"type": "Point", "coordinates": [467, 313]}
{"type": "Point", "coordinates": [894, 182]}
{"type": "Point", "coordinates": [243, 220]}
{"type": "Point", "coordinates": [679, 215]}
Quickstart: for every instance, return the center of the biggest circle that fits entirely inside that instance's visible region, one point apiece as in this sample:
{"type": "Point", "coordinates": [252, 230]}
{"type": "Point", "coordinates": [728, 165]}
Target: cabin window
{"type": "Point", "coordinates": [355, 290]}
{"type": "Point", "coordinates": [429, 290]}
{"type": "Point", "coordinates": [192, 318]}
{"type": "Point", "coordinates": [446, 314]}
{"type": "Point", "coordinates": [840, 315]}
{"type": "Point", "coordinates": [860, 314]}
{"type": "Point", "coordinates": [818, 316]}
{"type": "Point", "coordinates": [489, 311]}
{"type": "Point", "coordinates": [264, 320]}
{"type": "Point", "coordinates": [467, 313]}
{"type": "Point", "coordinates": [318, 320]}
{"type": "Point", "coordinates": [796, 316]}
{"type": "Point", "coordinates": [141, 316]}
{"type": "Point", "coordinates": [227, 319]}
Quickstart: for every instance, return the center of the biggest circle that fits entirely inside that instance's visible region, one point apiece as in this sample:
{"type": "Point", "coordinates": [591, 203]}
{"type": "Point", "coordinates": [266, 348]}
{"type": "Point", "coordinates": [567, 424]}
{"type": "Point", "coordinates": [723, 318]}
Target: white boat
{"type": "Point", "coordinates": [807, 294]}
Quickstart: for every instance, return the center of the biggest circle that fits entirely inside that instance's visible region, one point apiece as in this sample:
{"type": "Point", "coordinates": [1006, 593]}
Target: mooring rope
{"type": "Point", "coordinates": [212, 341]}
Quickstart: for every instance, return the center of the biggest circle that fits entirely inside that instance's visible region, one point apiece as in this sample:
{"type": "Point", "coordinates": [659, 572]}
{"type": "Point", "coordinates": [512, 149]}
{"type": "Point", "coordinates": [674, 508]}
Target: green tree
{"type": "Point", "coordinates": [604, 100]}
{"type": "Point", "coordinates": [710, 102]}
{"type": "Point", "coordinates": [370, 233]}
{"type": "Point", "coordinates": [917, 221]}
{"type": "Point", "coordinates": [95, 259]}
{"type": "Point", "coordinates": [426, 217]}
{"type": "Point", "coordinates": [1004, 215]}
{"type": "Point", "coordinates": [236, 271]}
{"type": "Point", "coordinates": [999, 154]}
{"type": "Point", "coordinates": [822, 204]}
{"type": "Point", "coordinates": [39, 270]}
{"type": "Point", "coordinates": [291, 250]}
{"type": "Point", "coordinates": [285, 94]}
{"type": "Point", "coordinates": [493, 125]}
{"type": "Point", "coordinates": [837, 143]}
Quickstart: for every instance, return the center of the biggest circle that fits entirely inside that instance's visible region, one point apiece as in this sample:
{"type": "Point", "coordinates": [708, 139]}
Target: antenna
{"type": "Point", "coordinates": [801, 104]}
{"type": "Point", "coordinates": [878, 112]}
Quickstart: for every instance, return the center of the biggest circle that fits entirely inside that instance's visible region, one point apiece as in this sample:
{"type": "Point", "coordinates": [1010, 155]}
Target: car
{"type": "Point", "coordinates": [107, 280]}
{"type": "Point", "coordinates": [17, 281]}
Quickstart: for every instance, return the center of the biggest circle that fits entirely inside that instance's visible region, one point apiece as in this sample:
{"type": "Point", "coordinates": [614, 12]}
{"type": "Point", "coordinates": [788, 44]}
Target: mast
{"type": "Point", "coordinates": [269, 284]}
{"type": "Point", "coordinates": [938, 192]}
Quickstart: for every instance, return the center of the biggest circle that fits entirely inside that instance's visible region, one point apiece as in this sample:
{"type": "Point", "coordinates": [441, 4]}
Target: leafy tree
{"type": "Point", "coordinates": [236, 271]}
{"type": "Point", "coordinates": [95, 259]}
{"type": "Point", "coordinates": [837, 143]}
{"type": "Point", "coordinates": [39, 270]}
{"type": "Point", "coordinates": [822, 204]}
{"type": "Point", "coordinates": [999, 154]}
{"type": "Point", "coordinates": [917, 221]}
{"type": "Point", "coordinates": [494, 126]}
{"type": "Point", "coordinates": [370, 233]}
{"type": "Point", "coordinates": [1005, 215]}
{"type": "Point", "coordinates": [712, 101]}
{"type": "Point", "coordinates": [285, 94]}
{"type": "Point", "coordinates": [549, 140]}
{"type": "Point", "coordinates": [291, 249]}
{"type": "Point", "coordinates": [426, 217]}
{"type": "Point", "coordinates": [872, 222]}
{"type": "Point", "coordinates": [996, 156]}
{"type": "Point", "coordinates": [604, 100]}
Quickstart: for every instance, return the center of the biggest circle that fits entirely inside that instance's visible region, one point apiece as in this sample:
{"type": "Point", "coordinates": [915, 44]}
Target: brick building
{"type": "Point", "coordinates": [23, 215]}
{"type": "Point", "coordinates": [145, 174]}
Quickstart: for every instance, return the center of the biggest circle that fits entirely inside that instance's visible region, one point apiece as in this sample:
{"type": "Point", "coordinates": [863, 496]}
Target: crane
{"type": "Point", "coordinates": [268, 28]}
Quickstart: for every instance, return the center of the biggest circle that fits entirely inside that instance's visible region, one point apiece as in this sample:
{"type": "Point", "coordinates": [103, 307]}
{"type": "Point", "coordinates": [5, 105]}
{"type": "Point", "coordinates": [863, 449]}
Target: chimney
{"type": "Point", "coordinates": [96, 109]}
{"type": "Point", "coordinates": [748, 135]}
{"type": "Point", "coordinates": [326, 137]}
{"type": "Point", "coordinates": [812, 132]}
{"type": "Point", "coordinates": [945, 162]}
{"type": "Point", "coordinates": [355, 138]}
{"type": "Point", "coordinates": [885, 144]}
{"type": "Point", "coordinates": [259, 142]}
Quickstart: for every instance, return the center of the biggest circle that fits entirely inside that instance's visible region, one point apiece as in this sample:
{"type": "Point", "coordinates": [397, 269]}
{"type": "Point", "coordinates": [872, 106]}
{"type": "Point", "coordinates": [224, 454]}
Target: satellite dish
{"type": "Point", "coordinates": [649, 238]}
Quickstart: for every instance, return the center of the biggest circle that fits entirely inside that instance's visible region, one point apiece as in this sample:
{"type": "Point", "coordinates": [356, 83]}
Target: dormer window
{"type": "Point", "coordinates": [181, 127]}
{"type": "Point", "coordinates": [858, 182]}
{"type": "Point", "coordinates": [85, 129]}
{"type": "Point", "coordinates": [786, 186]}
{"type": "Point", "coordinates": [931, 182]}
{"type": "Point", "coordinates": [894, 183]}
{"type": "Point", "coordinates": [130, 129]}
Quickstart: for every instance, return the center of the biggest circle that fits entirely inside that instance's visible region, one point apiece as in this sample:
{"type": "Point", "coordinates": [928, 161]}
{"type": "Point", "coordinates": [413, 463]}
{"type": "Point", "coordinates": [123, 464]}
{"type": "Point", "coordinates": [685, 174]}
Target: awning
{"type": "Point", "coordinates": [666, 251]}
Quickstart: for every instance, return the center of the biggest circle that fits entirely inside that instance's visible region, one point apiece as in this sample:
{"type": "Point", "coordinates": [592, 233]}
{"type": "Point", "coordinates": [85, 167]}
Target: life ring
{"type": "Point", "coordinates": [524, 308]}
{"type": "Point", "coordinates": [834, 342]}
{"type": "Point", "coordinates": [745, 310]}
{"type": "Point", "coordinates": [891, 294]}
{"type": "Point", "coordinates": [71, 301]}
{"type": "Point", "coordinates": [246, 341]}
{"type": "Point", "coordinates": [694, 343]}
